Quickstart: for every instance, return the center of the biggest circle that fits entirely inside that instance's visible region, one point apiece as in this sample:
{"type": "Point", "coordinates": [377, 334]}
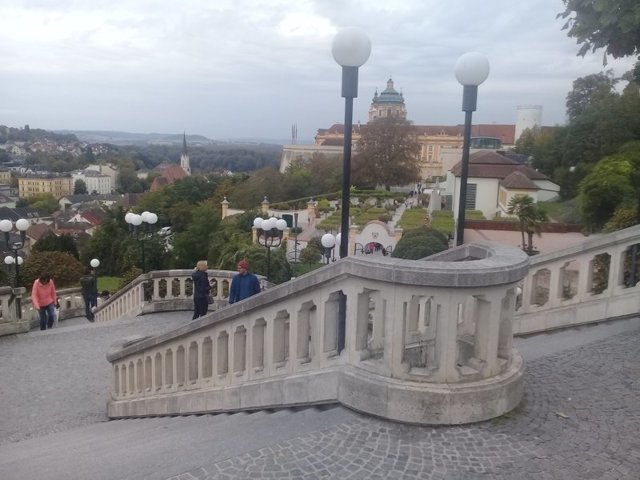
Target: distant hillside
{"type": "Point", "coordinates": [142, 139]}
{"type": "Point", "coordinates": [145, 139]}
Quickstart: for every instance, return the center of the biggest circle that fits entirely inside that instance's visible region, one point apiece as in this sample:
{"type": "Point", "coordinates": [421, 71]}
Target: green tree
{"type": "Point", "coordinates": [388, 154]}
{"type": "Point", "coordinates": [127, 180]}
{"type": "Point", "coordinates": [42, 201]}
{"type": "Point", "coordinates": [65, 269]}
{"type": "Point", "coordinates": [526, 142]}
{"type": "Point", "coordinates": [589, 90]}
{"type": "Point", "coordinates": [54, 243]}
{"type": "Point", "coordinates": [230, 241]}
{"type": "Point", "coordinates": [250, 193]}
{"type": "Point", "coordinates": [612, 25]}
{"type": "Point", "coordinates": [112, 245]}
{"type": "Point", "coordinates": [607, 186]}
{"type": "Point", "coordinates": [193, 244]}
{"type": "Point", "coordinates": [79, 187]}
{"type": "Point", "coordinates": [530, 217]}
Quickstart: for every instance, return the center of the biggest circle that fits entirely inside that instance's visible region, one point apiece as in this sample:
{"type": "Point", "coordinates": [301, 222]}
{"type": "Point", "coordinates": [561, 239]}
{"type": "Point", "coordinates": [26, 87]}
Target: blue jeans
{"type": "Point", "coordinates": [90, 301]}
{"type": "Point", "coordinates": [46, 316]}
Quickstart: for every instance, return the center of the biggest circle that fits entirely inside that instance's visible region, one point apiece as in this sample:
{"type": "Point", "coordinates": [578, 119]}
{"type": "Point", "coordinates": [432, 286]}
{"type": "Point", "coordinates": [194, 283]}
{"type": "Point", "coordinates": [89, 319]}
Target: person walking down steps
{"type": "Point", "coordinates": [44, 299]}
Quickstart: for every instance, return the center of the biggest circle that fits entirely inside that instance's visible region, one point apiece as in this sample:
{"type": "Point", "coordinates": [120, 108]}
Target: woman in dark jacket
{"type": "Point", "coordinates": [201, 289]}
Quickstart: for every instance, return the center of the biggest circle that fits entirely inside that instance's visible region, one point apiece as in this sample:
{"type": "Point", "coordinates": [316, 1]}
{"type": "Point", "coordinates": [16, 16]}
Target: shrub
{"type": "Point", "coordinates": [129, 276]}
{"type": "Point", "coordinates": [64, 267]}
{"type": "Point", "coordinates": [420, 243]}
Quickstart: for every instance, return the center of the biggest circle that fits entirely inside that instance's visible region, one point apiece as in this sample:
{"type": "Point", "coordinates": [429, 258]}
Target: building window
{"type": "Point", "coordinates": [471, 196]}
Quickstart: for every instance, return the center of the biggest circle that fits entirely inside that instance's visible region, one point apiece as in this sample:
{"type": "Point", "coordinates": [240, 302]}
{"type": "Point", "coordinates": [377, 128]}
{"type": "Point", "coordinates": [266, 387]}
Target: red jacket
{"type": "Point", "coordinates": [43, 295]}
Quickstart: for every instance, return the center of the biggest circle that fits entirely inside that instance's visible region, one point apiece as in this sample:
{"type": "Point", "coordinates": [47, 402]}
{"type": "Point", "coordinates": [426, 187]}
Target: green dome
{"type": "Point", "coordinates": [388, 95]}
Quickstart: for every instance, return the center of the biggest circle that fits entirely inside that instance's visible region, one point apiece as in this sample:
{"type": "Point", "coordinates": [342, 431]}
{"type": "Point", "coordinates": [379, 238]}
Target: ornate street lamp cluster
{"type": "Point", "coordinates": [269, 232]}
{"type": "Point", "coordinates": [141, 227]}
{"type": "Point", "coordinates": [329, 241]}
{"type": "Point", "coordinates": [6, 226]}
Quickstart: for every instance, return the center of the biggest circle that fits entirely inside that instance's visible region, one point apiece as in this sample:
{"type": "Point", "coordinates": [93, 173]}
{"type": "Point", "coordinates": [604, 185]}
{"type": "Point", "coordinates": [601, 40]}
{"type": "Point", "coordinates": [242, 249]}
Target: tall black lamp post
{"type": "Point", "coordinates": [141, 228]}
{"type": "Point", "coordinates": [6, 226]}
{"type": "Point", "coordinates": [471, 70]}
{"type": "Point", "coordinates": [269, 234]}
{"type": "Point", "coordinates": [295, 237]}
{"type": "Point", "coordinates": [351, 49]}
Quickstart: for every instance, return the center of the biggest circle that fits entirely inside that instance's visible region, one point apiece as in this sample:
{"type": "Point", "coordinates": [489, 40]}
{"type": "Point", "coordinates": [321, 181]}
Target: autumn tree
{"type": "Point", "coordinates": [387, 154]}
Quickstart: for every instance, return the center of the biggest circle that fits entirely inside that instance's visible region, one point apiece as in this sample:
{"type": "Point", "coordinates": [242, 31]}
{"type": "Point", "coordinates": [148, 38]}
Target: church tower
{"type": "Point", "coordinates": [389, 103]}
{"type": "Point", "coordinates": [184, 157]}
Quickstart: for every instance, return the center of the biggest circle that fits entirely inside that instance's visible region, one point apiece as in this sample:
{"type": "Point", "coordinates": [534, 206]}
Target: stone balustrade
{"type": "Point", "coordinates": [164, 290]}
{"type": "Point", "coordinates": [13, 300]}
{"type": "Point", "coordinates": [585, 283]}
{"type": "Point", "coordinates": [425, 341]}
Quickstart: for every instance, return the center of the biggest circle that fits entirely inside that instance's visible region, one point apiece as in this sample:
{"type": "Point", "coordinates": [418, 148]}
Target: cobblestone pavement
{"type": "Point", "coordinates": [579, 420]}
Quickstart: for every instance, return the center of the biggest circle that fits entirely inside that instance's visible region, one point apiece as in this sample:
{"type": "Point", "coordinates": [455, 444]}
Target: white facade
{"type": "Point", "coordinates": [488, 193]}
{"type": "Point", "coordinates": [95, 182]}
{"type": "Point", "coordinates": [292, 152]}
{"type": "Point", "coordinates": [527, 116]}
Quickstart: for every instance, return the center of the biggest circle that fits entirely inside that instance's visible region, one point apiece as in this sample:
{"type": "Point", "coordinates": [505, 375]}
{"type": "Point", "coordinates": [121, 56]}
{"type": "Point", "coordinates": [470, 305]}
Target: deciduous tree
{"type": "Point", "coordinates": [387, 154]}
{"type": "Point", "coordinates": [612, 25]}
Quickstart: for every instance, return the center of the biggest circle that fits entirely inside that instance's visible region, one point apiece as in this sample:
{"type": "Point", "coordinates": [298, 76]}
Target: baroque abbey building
{"type": "Point", "coordinates": [440, 145]}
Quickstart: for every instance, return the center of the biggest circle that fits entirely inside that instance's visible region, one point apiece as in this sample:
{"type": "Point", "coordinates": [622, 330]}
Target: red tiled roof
{"type": "Point", "coordinates": [490, 164]}
{"type": "Point", "coordinates": [518, 180]}
{"type": "Point", "coordinates": [169, 174]}
{"type": "Point", "coordinates": [38, 230]}
{"type": "Point", "coordinates": [506, 133]}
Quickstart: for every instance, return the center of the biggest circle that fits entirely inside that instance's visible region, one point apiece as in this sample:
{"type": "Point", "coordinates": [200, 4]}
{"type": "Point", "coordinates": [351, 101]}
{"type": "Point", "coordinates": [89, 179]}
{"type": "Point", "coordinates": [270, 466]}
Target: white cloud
{"type": "Point", "coordinates": [252, 67]}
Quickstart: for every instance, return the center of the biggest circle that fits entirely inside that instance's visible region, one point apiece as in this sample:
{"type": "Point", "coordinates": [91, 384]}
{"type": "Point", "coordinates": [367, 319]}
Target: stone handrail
{"type": "Point", "coordinates": [584, 283]}
{"type": "Point", "coordinates": [12, 300]}
{"type": "Point", "coordinates": [164, 290]}
{"type": "Point", "coordinates": [418, 341]}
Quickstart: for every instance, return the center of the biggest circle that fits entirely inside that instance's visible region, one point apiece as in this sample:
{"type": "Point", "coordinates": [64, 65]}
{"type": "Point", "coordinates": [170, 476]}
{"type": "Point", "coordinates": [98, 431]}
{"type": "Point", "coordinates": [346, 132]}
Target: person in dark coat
{"type": "Point", "coordinates": [244, 284]}
{"type": "Point", "coordinates": [201, 289]}
{"type": "Point", "coordinates": [89, 289]}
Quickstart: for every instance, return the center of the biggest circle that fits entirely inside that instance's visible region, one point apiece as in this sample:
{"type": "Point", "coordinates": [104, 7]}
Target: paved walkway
{"type": "Point", "coordinates": [579, 420]}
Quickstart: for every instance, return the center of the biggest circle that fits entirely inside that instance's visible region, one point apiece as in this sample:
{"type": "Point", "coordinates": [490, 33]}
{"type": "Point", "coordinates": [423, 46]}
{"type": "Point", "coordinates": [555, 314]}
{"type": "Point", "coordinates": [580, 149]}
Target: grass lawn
{"type": "Point", "coordinates": [108, 283]}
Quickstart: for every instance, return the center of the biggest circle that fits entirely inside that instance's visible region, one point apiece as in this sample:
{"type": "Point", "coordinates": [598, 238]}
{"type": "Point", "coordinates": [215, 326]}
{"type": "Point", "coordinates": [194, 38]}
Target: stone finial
{"type": "Point", "coordinates": [225, 208]}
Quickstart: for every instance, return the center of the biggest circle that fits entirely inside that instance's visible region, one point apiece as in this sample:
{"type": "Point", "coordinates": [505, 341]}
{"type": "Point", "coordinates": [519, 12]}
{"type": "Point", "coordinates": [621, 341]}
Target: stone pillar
{"type": "Point", "coordinates": [265, 206]}
{"type": "Point", "coordinates": [225, 208]}
{"type": "Point", "coordinates": [353, 232]}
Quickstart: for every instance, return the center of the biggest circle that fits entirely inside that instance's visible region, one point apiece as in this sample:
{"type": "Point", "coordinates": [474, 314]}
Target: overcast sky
{"type": "Point", "coordinates": [251, 68]}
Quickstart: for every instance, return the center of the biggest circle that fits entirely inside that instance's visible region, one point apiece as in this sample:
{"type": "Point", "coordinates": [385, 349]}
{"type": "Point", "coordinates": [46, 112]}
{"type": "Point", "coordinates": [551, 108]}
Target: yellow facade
{"type": "Point", "coordinates": [31, 185]}
{"type": "Point", "coordinates": [5, 177]}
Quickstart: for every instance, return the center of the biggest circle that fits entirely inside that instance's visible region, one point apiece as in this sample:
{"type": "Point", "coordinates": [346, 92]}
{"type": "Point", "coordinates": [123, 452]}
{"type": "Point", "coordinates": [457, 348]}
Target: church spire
{"type": "Point", "coordinates": [184, 157]}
